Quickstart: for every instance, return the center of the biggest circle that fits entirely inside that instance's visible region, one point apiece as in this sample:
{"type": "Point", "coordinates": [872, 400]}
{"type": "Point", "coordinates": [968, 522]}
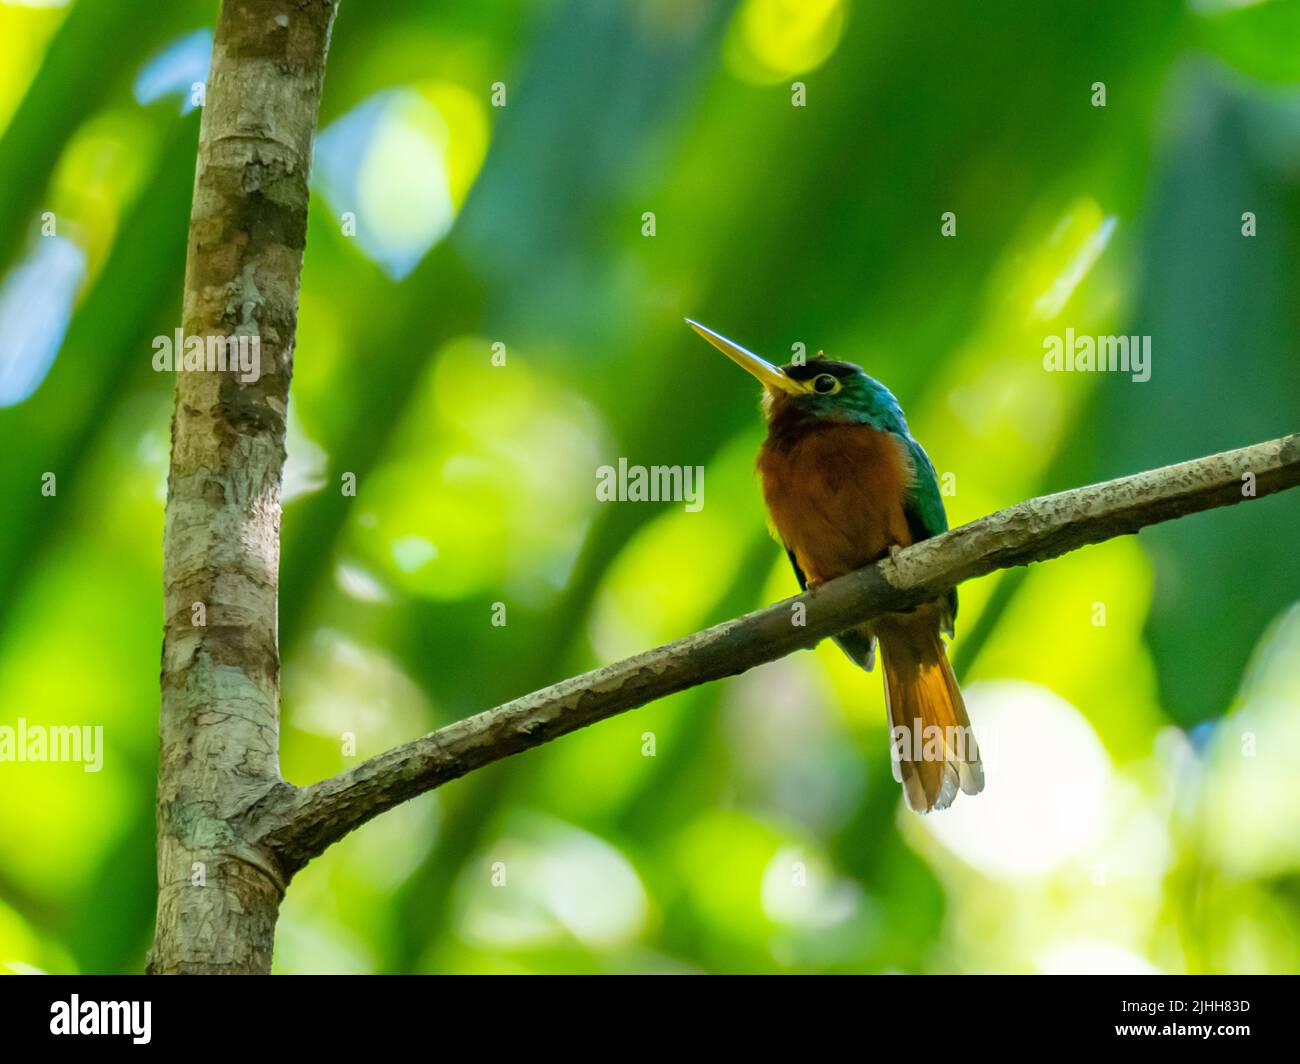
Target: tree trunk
{"type": "Point", "coordinates": [218, 895]}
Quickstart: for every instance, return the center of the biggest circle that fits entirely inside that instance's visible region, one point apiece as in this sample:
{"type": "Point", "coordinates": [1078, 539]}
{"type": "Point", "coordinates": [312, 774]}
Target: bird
{"type": "Point", "coordinates": [846, 485]}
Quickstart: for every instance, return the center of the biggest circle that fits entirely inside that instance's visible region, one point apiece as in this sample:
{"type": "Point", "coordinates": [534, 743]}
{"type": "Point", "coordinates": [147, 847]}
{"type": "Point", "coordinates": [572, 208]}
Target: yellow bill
{"type": "Point", "coordinates": [771, 376]}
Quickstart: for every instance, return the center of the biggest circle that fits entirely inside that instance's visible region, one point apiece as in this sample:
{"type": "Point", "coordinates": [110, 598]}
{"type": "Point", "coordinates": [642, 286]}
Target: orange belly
{"type": "Point", "coordinates": [835, 495]}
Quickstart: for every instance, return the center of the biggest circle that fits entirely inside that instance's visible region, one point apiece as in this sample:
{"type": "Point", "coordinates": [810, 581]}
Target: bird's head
{"type": "Point", "coordinates": [818, 388]}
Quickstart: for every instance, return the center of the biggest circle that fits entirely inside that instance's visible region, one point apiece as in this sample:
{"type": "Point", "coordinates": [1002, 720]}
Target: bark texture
{"type": "Point", "coordinates": [218, 894]}
{"type": "Point", "coordinates": [298, 824]}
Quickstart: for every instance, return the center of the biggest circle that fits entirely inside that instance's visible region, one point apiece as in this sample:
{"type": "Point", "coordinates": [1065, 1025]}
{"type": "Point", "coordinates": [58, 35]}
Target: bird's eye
{"type": "Point", "coordinates": [825, 384]}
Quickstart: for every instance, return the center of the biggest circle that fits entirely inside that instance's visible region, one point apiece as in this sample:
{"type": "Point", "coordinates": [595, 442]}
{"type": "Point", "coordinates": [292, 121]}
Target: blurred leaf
{"type": "Point", "coordinates": [1258, 38]}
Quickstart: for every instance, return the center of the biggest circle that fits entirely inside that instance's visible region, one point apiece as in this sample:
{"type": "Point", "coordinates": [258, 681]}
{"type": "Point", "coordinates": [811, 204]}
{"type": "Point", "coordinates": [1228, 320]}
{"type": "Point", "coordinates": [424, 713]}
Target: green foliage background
{"type": "Point", "coordinates": [1143, 807]}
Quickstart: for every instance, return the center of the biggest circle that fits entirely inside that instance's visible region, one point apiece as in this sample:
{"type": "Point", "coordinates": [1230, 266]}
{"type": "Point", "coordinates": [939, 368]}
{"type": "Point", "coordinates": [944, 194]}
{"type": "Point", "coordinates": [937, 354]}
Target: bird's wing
{"type": "Point", "coordinates": [860, 647]}
{"type": "Point", "coordinates": [923, 507]}
{"type": "Point", "coordinates": [798, 573]}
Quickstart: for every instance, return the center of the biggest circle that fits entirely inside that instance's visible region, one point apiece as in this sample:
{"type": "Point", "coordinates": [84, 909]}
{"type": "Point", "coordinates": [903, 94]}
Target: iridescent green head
{"type": "Point", "coordinates": [818, 388]}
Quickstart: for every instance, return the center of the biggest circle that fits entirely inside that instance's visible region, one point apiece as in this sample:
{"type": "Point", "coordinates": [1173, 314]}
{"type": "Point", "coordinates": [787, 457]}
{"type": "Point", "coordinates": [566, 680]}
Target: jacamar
{"type": "Point", "coordinates": [846, 484]}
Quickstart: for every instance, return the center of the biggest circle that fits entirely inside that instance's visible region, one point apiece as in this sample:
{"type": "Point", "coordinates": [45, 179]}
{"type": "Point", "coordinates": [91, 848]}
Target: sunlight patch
{"type": "Point", "coordinates": [1080, 238]}
{"type": "Point", "coordinates": [1048, 777]}
{"type": "Point", "coordinates": [180, 69]}
{"type": "Point", "coordinates": [772, 40]}
{"type": "Point", "coordinates": [36, 303]}
{"type": "Point", "coordinates": [548, 881]}
{"type": "Point", "coordinates": [1091, 957]}
{"type": "Point", "coordinates": [398, 167]}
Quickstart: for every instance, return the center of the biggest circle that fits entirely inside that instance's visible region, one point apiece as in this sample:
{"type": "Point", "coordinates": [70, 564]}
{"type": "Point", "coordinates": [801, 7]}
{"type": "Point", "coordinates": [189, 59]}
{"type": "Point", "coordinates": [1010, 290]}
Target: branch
{"type": "Point", "coordinates": [302, 825]}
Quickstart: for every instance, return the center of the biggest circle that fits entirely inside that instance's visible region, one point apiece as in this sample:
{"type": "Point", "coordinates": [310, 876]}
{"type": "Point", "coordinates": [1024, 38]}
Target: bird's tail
{"type": "Point", "coordinates": [932, 746]}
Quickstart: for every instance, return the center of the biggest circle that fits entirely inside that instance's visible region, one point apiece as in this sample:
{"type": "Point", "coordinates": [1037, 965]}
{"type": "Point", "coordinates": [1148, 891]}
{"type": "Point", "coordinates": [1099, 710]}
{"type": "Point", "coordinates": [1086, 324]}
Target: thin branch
{"type": "Point", "coordinates": [301, 823]}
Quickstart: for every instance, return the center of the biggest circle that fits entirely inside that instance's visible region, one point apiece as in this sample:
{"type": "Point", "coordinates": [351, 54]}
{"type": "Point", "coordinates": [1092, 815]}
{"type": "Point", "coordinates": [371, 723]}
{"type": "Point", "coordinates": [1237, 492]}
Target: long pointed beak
{"type": "Point", "coordinates": [771, 376]}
